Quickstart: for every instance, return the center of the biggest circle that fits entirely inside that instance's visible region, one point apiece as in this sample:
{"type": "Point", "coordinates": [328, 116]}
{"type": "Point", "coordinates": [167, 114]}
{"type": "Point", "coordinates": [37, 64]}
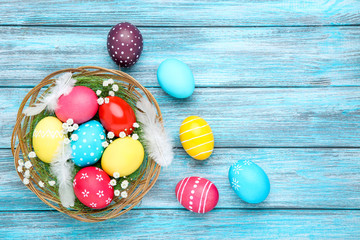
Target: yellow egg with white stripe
{"type": "Point", "coordinates": [196, 137]}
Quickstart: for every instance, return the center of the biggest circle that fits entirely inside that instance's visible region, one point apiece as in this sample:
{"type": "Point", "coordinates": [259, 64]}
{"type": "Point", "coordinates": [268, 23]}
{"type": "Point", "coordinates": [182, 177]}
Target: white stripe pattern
{"type": "Point", "coordinates": [202, 193]}
{"type": "Point", "coordinates": [190, 121]}
{"type": "Point", "coordinates": [182, 191]}
{"type": "Point", "coordinates": [177, 195]}
{"type": "Point", "coordinates": [199, 145]}
{"type": "Point", "coordinates": [206, 197]}
{"type": "Point", "coordinates": [202, 153]}
{"type": "Point", "coordinates": [196, 137]}
{"type": "Point", "coordinates": [48, 133]}
{"type": "Point", "coordinates": [194, 129]}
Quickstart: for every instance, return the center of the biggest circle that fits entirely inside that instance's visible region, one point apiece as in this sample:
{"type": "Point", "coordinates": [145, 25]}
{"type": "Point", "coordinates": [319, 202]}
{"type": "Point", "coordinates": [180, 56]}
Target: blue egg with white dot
{"type": "Point", "coordinates": [249, 181]}
{"type": "Point", "coordinates": [88, 149]}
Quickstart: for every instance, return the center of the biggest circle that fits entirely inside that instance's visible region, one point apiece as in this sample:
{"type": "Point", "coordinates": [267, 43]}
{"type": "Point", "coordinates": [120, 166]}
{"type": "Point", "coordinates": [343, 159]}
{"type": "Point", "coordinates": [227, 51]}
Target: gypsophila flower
{"type": "Point", "coordinates": [26, 181]}
{"type": "Point", "coordinates": [122, 134]}
{"type": "Point", "coordinates": [107, 100]}
{"type": "Point", "coordinates": [66, 140]}
{"type": "Point", "coordinates": [110, 81]}
{"type": "Point", "coordinates": [117, 193]}
{"type": "Point", "coordinates": [113, 182]}
{"type": "Point", "coordinates": [71, 129]}
{"type": "Point", "coordinates": [105, 83]}
{"type": "Point", "coordinates": [28, 164]}
{"type": "Point", "coordinates": [41, 184]}
{"type": "Point", "coordinates": [100, 101]}
{"type": "Point", "coordinates": [125, 184]}
{"type": "Point", "coordinates": [124, 194]}
{"type": "Point", "coordinates": [65, 126]}
{"type": "Point", "coordinates": [70, 121]}
{"type": "Point", "coordinates": [105, 144]}
{"type": "Point", "coordinates": [116, 175]}
{"type": "Point", "coordinates": [20, 169]}
{"type": "Point", "coordinates": [111, 93]}
{"type": "Point", "coordinates": [27, 174]}
{"type": "Point", "coordinates": [21, 162]}
{"type": "Point", "coordinates": [135, 136]}
{"type": "Point", "coordinates": [74, 137]}
{"type": "Point", "coordinates": [98, 92]}
{"type": "Point", "coordinates": [110, 135]}
{"type": "Point", "coordinates": [75, 126]}
{"type": "Point", "coordinates": [32, 154]}
{"type": "Point", "coordinates": [64, 131]}
{"type": "Point", "coordinates": [135, 125]}
{"type": "Point", "coordinates": [115, 88]}
{"type": "Point", "coordinates": [52, 183]}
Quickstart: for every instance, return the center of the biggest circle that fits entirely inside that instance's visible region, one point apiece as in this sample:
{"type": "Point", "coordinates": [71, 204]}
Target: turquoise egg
{"type": "Point", "coordinates": [249, 181]}
{"type": "Point", "coordinates": [88, 149]}
{"type": "Point", "coordinates": [176, 78]}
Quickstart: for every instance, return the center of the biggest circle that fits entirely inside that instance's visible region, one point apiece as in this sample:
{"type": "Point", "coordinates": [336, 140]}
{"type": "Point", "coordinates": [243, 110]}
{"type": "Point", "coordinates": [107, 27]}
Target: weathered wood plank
{"type": "Point", "coordinates": [256, 117]}
{"type": "Point", "coordinates": [218, 57]}
{"type": "Point", "coordinates": [300, 178]}
{"type": "Point", "coordinates": [172, 224]}
{"type": "Point", "coordinates": [181, 13]}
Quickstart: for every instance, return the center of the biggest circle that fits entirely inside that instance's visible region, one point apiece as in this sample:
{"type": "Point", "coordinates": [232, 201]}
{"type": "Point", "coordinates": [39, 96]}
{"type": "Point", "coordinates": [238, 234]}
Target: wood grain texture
{"type": "Point", "coordinates": [173, 224]}
{"type": "Point", "coordinates": [181, 13]}
{"type": "Point", "coordinates": [300, 178]}
{"type": "Point", "coordinates": [218, 57]}
{"type": "Point", "coordinates": [243, 117]}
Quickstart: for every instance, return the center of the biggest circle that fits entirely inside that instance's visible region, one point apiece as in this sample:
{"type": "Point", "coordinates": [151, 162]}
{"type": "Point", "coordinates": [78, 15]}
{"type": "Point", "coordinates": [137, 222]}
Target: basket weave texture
{"type": "Point", "coordinates": [20, 147]}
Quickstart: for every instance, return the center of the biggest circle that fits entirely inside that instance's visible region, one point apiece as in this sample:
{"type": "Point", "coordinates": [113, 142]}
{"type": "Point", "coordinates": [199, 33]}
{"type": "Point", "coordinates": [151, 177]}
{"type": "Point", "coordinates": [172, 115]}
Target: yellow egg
{"type": "Point", "coordinates": [47, 137]}
{"type": "Point", "coordinates": [196, 137]}
{"type": "Point", "coordinates": [124, 155]}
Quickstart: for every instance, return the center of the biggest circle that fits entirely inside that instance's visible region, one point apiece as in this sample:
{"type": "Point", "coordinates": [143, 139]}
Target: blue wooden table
{"type": "Point", "coordinates": [278, 81]}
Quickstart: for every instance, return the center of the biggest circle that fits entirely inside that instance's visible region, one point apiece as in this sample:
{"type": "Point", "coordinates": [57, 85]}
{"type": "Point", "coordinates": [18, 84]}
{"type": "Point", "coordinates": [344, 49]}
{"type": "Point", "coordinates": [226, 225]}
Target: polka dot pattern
{"type": "Point", "coordinates": [125, 44]}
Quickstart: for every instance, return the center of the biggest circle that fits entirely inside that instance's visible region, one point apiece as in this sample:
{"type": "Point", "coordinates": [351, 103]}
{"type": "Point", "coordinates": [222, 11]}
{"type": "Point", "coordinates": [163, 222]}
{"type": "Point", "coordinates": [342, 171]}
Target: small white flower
{"type": "Point", "coordinates": [107, 100]}
{"type": "Point", "coordinates": [27, 174]}
{"type": "Point", "coordinates": [74, 137]}
{"type": "Point", "coordinates": [122, 134]}
{"type": "Point", "coordinates": [124, 194]}
{"type": "Point", "coordinates": [64, 131]}
{"type": "Point", "coordinates": [28, 164]}
{"type": "Point", "coordinates": [100, 101]}
{"type": "Point", "coordinates": [105, 144]}
{"type": "Point", "coordinates": [113, 182]}
{"type": "Point", "coordinates": [75, 126]}
{"type": "Point", "coordinates": [65, 125]}
{"type": "Point", "coordinates": [117, 193]}
{"type": "Point", "coordinates": [111, 93]}
{"type": "Point", "coordinates": [115, 87]}
{"type": "Point", "coordinates": [70, 121]}
{"type": "Point", "coordinates": [99, 177]}
{"type": "Point", "coordinates": [125, 184]}
{"type": "Point", "coordinates": [135, 136]}
{"type": "Point", "coordinates": [32, 154]}
{"type": "Point", "coordinates": [136, 125]}
{"type": "Point", "coordinates": [110, 135]}
{"type": "Point", "coordinates": [93, 205]}
{"type": "Point", "coordinates": [105, 83]}
{"type": "Point", "coordinates": [108, 200]}
{"type": "Point", "coordinates": [66, 140]}
{"type": "Point", "coordinates": [52, 183]}
{"type": "Point", "coordinates": [116, 175]}
{"type": "Point", "coordinates": [110, 81]}
{"type": "Point", "coordinates": [21, 162]}
{"type": "Point", "coordinates": [98, 92]}
{"type": "Point", "coordinates": [20, 169]}
{"type": "Point", "coordinates": [41, 184]}
{"type": "Point", "coordinates": [26, 181]}
{"type": "Point", "coordinates": [71, 129]}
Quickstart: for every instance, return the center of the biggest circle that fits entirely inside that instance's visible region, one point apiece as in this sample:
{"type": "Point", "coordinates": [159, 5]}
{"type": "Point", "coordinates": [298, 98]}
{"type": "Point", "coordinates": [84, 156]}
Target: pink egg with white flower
{"type": "Point", "coordinates": [197, 194]}
{"type": "Point", "coordinates": [92, 187]}
{"type": "Point", "coordinates": [80, 105]}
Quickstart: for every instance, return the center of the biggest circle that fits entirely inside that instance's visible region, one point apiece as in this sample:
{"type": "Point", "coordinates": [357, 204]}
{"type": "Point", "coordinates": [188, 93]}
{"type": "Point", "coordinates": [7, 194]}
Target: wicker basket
{"type": "Point", "coordinates": [137, 191]}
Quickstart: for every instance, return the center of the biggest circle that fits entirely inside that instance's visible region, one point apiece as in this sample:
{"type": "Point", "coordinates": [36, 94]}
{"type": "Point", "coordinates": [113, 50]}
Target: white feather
{"type": "Point", "coordinates": [63, 85]}
{"type": "Point", "coordinates": [62, 169]}
{"type": "Point", "coordinates": [158, 144]}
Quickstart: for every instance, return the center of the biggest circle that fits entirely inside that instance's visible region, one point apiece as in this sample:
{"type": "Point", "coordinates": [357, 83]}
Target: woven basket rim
{"type": "Point", "coordinates": [142, 185]}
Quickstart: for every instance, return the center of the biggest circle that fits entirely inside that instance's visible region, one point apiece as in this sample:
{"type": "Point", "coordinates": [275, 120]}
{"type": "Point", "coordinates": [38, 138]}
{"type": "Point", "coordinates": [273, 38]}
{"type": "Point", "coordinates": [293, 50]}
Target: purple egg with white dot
{"type": "Point", "coordinates": [125, 44]}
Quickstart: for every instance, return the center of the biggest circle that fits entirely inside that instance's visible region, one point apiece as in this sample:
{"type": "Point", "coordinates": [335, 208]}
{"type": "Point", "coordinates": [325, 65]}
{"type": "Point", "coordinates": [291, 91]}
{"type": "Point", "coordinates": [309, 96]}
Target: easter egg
{"type": "Point", "coordinates": [80, 105]}
{"type": "Point", "coordinates": [117, 116]}
{"type": "Point", "coordinates": [92, 187]}
{"type": "Point", "coordinates": [124, 155]}
{"type": "Point", "coordinates": [249, 181]}
{"type": "Point", "coordinates": [87, 149]}
{"type": "Point", "coordinates": [47, 137]}
{"type": "Point", "coordinates": [125, 44]}
{"type": "Point", "coordinates": [176, 78]}
{"type": "Point", "coordinates": [196, 137]}
{"type": "Point", "coordinates": [197, 194]}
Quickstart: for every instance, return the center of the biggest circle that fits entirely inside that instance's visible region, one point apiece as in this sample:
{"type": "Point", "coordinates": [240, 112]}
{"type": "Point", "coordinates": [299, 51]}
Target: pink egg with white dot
{"type": "Point", "coordinates": [197, 194]}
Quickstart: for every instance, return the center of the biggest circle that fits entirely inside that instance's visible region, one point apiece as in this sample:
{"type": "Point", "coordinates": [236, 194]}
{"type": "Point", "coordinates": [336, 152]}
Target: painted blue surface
{"type": "Point", "coordinates": [278, 81]}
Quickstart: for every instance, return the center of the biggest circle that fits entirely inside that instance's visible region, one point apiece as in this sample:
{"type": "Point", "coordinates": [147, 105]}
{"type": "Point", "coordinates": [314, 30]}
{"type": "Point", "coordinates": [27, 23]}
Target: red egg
{"type": "Point", "coordinates": [80, 105]}
{"type": "Point", "coordinates": [197, 194]}
{"type": "Point", "coordinates": [125, 44]}
{"type": "Point", "coordinates": [92, 187]}
{"type": "Point", "coordinates": [117, 116]}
